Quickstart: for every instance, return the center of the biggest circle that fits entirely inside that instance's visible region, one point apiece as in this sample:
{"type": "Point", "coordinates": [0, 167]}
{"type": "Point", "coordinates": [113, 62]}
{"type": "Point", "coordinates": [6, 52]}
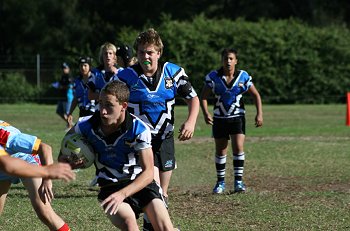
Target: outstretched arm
{"type": "Point", "coordinates": [20, 168]}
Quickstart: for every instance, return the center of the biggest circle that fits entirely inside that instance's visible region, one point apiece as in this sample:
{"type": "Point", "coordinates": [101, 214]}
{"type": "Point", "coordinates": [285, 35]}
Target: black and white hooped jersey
{"type": "Point", "coordinates": [229, 102]}
{"type": "Point", "coordinates": [153, 99]}
{"type": "Point", "coordinates": [117, 157]}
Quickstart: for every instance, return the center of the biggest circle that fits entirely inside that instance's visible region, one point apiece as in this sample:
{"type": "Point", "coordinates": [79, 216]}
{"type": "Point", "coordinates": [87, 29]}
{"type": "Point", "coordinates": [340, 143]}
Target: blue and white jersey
{"type": "Point", "coordinates": [99, 79]}
{"type": "Point", "coordinates": [229, 102]}
{"type": "Point", "coordinates": [81, 91]}
{"type": "Point", "coordinates": [153, 99]}
{"type": "Point", "coordinates": [14, 141]}
{"type": "Point", "coordinates": [117, 155]}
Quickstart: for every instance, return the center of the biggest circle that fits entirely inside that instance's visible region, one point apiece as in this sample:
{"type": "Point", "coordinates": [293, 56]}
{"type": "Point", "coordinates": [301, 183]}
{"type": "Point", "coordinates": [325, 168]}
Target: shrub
{"type": "Point", "coordinates": [290, 61]}
{"type": "Point", "coordinates": [15, 89]}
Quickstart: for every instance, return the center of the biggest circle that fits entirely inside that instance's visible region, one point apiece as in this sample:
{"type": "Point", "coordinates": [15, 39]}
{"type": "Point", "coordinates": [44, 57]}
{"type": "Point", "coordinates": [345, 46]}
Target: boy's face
{"type": "Point", "coordinates": [111, 110]}
{"type": "Point", "coordinates": [84, 69]}
{"type": "Point", "coordinates": [148, 56]}
{"type": "Point", "coordinates": [109, 58]}
{"type": "Point", "coordinates": [229, 61]}
{"type": "Point", "coordinates": [66, 70]}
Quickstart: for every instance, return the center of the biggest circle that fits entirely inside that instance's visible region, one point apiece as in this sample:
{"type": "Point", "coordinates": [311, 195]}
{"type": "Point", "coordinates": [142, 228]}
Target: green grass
{"type": "Point", "coordinates": [297, 174]}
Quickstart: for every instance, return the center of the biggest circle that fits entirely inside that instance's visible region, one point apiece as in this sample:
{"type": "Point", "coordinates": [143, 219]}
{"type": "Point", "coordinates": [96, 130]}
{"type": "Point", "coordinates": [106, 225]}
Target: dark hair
{"type": "Point", "coordinates": [118, 89]}
{"type": "Point", "coordinates": [125, 52]}
{"type": "Point", "coordinates": [226, 51]}
{"type": "Point", "coordinates": [85, 59]}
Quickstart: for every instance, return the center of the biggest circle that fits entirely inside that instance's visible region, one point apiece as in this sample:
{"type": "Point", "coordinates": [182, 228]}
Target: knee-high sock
{"type": "Point", "coordinates": [238, 165]}
{"type": "Point", "coordinates": [220, 164]}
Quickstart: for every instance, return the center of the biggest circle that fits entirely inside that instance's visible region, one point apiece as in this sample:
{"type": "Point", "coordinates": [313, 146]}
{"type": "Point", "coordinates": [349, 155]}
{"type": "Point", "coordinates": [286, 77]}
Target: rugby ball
{"type": "Point", "coordinates": [76, 147]}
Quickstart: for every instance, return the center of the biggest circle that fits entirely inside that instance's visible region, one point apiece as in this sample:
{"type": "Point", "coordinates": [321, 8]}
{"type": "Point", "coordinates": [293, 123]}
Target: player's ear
{"type": "Point", "coordinates": [125, 105]}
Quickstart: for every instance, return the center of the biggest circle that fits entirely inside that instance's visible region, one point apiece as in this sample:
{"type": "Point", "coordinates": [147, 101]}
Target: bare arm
{"type": "Point", "coordinates": [206, 91]}
{"type": "Point", "coordinates": [258, 104]}
{"type": "Point", "coordinates": [71, 110]}
{"type": "Point", "coordinates": [187, 128]}
{"type": "Point", "coordinates": [111, 203]}
{"type": "Point", "coordinates": [45, 189]}
{"type": "Point", "coordinates": [20, 168]}
{"type": "Point", "coordinates": [45, 154]}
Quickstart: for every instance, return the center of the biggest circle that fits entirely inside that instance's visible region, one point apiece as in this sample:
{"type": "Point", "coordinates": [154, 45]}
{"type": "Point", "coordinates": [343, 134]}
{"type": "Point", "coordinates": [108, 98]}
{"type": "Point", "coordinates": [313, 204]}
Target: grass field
{"type": "Point", "coordinates": [297, 174]}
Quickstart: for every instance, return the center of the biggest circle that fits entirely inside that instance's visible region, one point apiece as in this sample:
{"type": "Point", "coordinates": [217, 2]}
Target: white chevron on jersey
{"type": "Point", "coordinates": [165, 116]}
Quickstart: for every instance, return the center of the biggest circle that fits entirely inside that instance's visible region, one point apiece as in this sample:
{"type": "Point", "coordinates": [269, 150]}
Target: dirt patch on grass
{"type": "Point", "coordinates": [200, 202]}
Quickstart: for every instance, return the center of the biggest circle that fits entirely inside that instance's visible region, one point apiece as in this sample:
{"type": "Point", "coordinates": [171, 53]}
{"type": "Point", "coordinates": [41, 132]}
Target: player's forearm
{"type": "Point", "coordinates": [145, 177]}
{"type": "Point", "coordinates": [139, 183]}
{"type": "Point", "coordinates": [193, 109]}
{"type": "Point", "coordinates": [45, 154]}
{"type": "Point", "coordinates": [258, 104]}
{"type": "Point", "coordinates": [18, 167]}
{"type": "Point", "coordinates": [204, 107]}
{"type": "Point", "coordinates": [73, 106]}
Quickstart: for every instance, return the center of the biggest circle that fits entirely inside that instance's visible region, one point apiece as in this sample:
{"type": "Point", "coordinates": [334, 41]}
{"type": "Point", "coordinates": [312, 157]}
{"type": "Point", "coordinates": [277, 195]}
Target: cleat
{"type": "Point", "coordinates": [239, 186]}
{"type": "Point", "coordinates": [219, 187]}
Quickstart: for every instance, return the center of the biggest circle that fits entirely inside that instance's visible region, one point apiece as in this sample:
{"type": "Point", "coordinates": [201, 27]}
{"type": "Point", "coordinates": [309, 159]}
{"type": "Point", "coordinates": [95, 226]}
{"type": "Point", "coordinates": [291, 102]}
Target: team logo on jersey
{"type": "Point", "coordinates": [168, 164]}
{"type": "Point", "coordinates": [168, 83]}
{"type": "Point", "coordinates": [240, 84]}
{"type": "Point", "coordinates": [128, 142]}
{"type": "Point", "coordinates": [151, 96]}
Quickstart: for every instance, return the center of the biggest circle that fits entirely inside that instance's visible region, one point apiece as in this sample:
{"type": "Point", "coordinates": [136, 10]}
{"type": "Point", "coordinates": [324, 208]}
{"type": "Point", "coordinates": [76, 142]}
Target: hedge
{"type": "Point", "coordinates": [290, 61]}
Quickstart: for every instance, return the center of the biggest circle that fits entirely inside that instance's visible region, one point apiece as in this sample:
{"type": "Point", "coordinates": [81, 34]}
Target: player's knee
{"type": "Point", "coordinates": [127, 224]}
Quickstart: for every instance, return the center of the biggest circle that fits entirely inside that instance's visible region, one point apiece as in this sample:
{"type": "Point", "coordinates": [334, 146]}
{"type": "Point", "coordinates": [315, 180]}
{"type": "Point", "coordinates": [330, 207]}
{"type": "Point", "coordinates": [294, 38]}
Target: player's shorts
{"type": "Point", "coordinates": [61, 107]}
{"type": "Point", "coordinates": [31, 159]}
{"type": "Point", "coordinates": [164, 153]}
{"type": "Point", "coordinates": [137, 201]}
{"type": "Point", "coordinates": [223, 128]}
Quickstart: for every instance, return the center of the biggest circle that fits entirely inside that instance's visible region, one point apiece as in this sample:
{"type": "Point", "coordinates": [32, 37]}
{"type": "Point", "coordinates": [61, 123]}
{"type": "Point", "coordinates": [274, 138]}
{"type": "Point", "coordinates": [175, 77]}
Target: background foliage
{"type": "Point", "coordinates": [295, 52]}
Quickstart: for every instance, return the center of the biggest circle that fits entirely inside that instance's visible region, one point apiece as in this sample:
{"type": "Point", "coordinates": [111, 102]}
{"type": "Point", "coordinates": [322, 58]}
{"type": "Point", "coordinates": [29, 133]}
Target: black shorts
{"type": "Point", "coordinates": [164, 153]}
{"type": "Point", "coordinates": [223, 128]}
{"type": "Point", "coordinates": [61, 108]}
{"type": "Point", "coordinates": [137, 201]}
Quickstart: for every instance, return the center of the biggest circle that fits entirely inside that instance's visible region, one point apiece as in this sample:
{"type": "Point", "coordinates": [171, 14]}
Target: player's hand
{"type": "Point", "coordinates": [258, 121]}
{"type": "Point", "coordinates": [45, 191]}
{"type": "Point", "coordinates": [186, 131]}
{"type": "Point", "coordinates": [60, 171]}
{"type": "Point", "coordinates": [74, 161]}
{"type": "Point", "coordinates": [70, 119]}
{"type": "Point", "coordinates": [111, 203]}
{"type": "Point", "coordinates": [208, 119]}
